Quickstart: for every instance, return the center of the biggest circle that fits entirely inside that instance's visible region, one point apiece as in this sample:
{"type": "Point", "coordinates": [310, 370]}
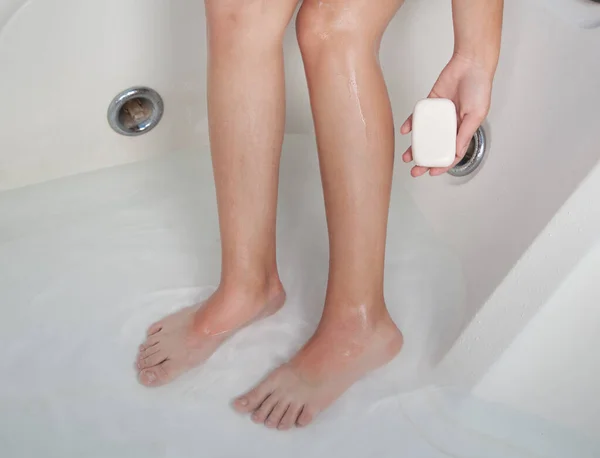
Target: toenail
{"type": "Point", "coordinates": [151, 376]}
{"type": "Point", "coordinates": [243, 401]}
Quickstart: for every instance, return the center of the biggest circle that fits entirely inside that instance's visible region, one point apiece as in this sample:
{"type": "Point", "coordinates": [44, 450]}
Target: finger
{"type": "Point", "coordinates": [407, 156]}
{"type": "Point", "coordinates": [433, 94]}
{"type": "Point", "coordinates": [417, 171]}
{"type": "Point", "coordinates": [436, 171]}
{"type": "Point", "coordinates": [407, 126]}
{"type": "Point", "coordinates": [467, 128]}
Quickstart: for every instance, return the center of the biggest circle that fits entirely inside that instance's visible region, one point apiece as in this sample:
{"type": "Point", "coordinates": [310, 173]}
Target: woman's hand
{"type": "Point", "coordinates": [469, 85]}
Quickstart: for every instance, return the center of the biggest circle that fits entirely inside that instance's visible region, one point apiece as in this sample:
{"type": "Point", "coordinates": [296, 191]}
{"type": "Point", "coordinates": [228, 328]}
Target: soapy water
{"type": "Point", "coordinates": [88, 262]}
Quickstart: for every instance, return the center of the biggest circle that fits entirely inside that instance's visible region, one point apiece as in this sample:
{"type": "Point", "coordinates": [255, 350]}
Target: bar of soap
{"type": "Point", "coordinates": [434, 133]}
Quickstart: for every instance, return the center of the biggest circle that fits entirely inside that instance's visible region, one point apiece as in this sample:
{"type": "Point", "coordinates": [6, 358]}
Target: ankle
{"type": "Point", "coordinates": [346, 299]}
{"type": "Point", "coordinates": [365, 314]}
{"type": "Point", "coordinates": [261, 285]}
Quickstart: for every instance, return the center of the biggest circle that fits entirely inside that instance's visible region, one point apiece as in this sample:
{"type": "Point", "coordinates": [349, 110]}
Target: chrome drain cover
{"type": "Point", "coordinates": [135, 111]}
{"type": "Point", "coordinates": [473, 157]}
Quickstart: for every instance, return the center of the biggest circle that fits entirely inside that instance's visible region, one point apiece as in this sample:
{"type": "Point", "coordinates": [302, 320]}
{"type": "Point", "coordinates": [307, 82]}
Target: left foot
{"type": "Point", "coordinates": [190, 336]}
{"type": "Point", "coordinates": [342, 350]}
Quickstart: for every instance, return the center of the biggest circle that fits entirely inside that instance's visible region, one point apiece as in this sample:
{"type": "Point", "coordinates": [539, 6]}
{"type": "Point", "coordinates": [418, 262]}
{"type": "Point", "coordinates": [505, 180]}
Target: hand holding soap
{"type": "Point", "coordinates": [434, 133]}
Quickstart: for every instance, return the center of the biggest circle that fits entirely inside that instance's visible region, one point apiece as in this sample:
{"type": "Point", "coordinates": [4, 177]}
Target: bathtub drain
{"type": "Point", "coordinates": [473, 157]}
{"type": "Point", "coordinates": [135, 111]}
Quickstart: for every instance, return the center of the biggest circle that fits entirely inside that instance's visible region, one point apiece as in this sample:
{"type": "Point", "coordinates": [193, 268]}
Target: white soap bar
{"type": "Point", "coordinates": [434, 133]}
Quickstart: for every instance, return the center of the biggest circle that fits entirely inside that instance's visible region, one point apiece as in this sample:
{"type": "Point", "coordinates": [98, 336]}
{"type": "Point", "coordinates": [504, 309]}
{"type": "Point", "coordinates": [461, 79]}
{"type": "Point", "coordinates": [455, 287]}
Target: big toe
{"type": "Point", "coordinates": [306, 417]}
{"type": "Point", "coordinates": [158, 375]}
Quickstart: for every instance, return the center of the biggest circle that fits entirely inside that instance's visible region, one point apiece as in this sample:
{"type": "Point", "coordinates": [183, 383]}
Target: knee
{"type": "Point", "coordinates": [247, 19]}
{"type": "Point", "coordinates": [335, 27]}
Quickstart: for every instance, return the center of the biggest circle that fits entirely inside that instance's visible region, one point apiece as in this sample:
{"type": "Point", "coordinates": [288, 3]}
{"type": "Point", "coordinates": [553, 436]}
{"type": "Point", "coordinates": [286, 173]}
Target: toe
{"type": "Point", "coordinates": [151, 360]}
{"type": "Point", "coordinates": [252, 400]}
{"type": "Point", "coordinates": [158, 375]}
{"type": "Point", "coordinates": [149, 351]}
{"type": "Point", "coordinates": [306, 416]}
{"type": "Point", "coordinates": [150, 341]}
{"type": "Point", "coordinates": [265, 409]}
{"type": "Point", "coordinates": [276, 414]}
{"type": "Point", "coordinates": [290, 417]}
{"type": "Point", "coordinates": [154, 328]}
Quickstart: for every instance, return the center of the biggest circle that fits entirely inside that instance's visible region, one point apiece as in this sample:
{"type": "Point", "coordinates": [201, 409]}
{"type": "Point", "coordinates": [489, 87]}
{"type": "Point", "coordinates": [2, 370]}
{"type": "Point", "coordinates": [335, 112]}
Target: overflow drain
{"type": "Point", "coordinates": [135, 111]}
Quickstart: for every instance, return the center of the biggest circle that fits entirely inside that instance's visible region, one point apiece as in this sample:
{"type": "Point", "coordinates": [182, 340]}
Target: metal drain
{"type": "Point", "coordinates": [135, 111]}
{"type": "Point", "coordinates": [473, 157]}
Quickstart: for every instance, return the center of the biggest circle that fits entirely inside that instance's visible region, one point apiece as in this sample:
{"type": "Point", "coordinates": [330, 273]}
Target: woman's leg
{"type": "Point", "coordinates": [353, 120]}
{"type": "Point", "coordinates": [246, 117]}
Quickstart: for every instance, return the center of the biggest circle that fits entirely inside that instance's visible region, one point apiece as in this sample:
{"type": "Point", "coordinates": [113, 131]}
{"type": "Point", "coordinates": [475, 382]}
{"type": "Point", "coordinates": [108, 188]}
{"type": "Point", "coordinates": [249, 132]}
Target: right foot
{"type": "Point", "coordinates": [342, 350]}
{"type": "Point", "coordinates": [190, 336]}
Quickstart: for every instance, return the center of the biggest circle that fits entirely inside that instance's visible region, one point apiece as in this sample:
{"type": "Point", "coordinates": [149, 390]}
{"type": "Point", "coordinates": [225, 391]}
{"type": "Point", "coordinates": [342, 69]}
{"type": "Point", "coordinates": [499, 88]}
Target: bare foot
{"type": "Point", "coordinates": [190, 336]}
{"type": "Point", "coordinates": [341, 351]}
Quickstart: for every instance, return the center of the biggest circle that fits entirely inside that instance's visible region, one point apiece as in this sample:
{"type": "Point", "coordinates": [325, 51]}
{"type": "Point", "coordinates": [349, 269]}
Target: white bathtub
{"type": "Point", "coordinates": [505, 264]}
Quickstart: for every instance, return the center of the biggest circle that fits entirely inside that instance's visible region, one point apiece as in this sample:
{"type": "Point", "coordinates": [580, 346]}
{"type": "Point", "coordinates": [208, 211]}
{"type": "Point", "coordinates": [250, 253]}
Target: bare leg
{"type": "Point", "coordinates": [246, 116]}
{"type": "Point", "coordinates": [340, 42]}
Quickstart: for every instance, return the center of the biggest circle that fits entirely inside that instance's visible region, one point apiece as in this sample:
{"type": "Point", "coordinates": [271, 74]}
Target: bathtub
{"type": "Point", "coordinates": [492, 277]}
